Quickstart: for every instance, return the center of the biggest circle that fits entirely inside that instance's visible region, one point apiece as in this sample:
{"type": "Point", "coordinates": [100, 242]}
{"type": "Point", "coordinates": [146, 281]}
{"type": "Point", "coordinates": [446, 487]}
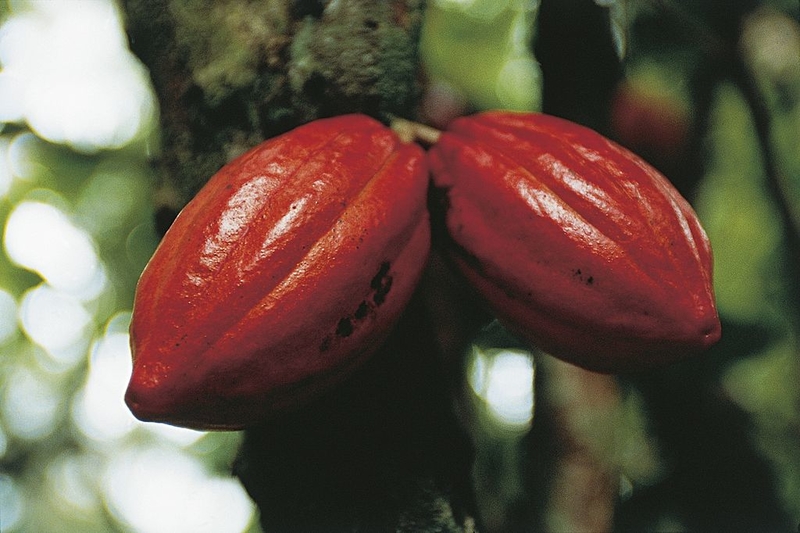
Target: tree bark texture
{"type": "Point", "coordinates": [231, 73]}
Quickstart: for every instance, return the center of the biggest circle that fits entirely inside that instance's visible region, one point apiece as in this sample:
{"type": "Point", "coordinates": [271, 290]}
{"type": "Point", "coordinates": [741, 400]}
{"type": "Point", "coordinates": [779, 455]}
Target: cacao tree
{"type": "Point", "coordinates": [367, 451]}
{"type": "Point", "coordinates": [413, 266]}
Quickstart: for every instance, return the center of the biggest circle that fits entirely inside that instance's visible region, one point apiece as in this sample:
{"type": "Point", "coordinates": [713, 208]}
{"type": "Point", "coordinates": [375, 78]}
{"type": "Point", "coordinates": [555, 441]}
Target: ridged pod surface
{"type": "Point", "coordinates": [285, 272]}
{"type": "Point", "coordinates": [578, 245]}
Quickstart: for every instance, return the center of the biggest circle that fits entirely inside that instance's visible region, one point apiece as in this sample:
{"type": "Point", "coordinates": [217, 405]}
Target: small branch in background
{"type": "Point", "coordinates": [583, 406]}
{"type": "Point", "coordinates": [707, 40]}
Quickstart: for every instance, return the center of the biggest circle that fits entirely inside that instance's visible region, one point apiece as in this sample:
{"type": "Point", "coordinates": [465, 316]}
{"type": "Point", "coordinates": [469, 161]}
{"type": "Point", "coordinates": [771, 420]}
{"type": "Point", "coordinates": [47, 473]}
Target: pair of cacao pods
{"type": "Point", "coordinates": [291, 266]}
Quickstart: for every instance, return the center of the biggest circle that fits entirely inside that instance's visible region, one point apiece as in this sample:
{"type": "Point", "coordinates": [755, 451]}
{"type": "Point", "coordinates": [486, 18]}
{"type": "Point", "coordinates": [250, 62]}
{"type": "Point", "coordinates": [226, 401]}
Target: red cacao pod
{"type": "Point", "coordinates": [286, 270]}
{"type": "Point", "coordinates": [577, 244]}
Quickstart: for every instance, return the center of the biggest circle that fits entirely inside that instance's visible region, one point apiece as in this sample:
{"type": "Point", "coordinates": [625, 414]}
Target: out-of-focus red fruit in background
{"type": "Point", "coordinates": [654, 124]}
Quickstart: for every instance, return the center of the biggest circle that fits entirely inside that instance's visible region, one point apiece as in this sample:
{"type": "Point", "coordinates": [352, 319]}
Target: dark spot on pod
{"type": "Point", "coordinates": [344, 328]}
{"type": "Point", "coordinates": [183, 338]}
{"type": "Point", "coordinates": [380, 294]}
{"type": "Point", "coordinates": [362, 311]}
{"type": "Point", "coordinates": [377, 281]}
{"type": "Point", "coordinates": [326, 345]}
{"type": "Point", "coordinates": [588, 280]}
{"type": "Point", "coordinates": [381, 283]}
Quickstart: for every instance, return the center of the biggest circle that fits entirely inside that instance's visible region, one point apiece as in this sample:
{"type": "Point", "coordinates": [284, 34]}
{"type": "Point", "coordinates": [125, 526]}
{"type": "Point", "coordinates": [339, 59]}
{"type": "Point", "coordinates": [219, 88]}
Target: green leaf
{"type": "Point", "coordinates": [483, 49]}
{"type": "Point", "coordinates": [741, 221]}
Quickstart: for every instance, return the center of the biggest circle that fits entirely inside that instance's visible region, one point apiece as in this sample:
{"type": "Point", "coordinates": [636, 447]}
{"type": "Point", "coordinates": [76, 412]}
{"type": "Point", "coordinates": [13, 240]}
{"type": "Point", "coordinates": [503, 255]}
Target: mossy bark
{"type": "Point", "coordinates": [231, 73]}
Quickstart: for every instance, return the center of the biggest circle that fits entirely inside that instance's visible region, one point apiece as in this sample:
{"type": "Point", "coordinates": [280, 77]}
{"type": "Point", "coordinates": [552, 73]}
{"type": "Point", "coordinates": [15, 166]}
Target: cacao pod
{"type": "Point", "coordinates": [577, 244]}
{"type": "Point", "coordinates": [285, 272]}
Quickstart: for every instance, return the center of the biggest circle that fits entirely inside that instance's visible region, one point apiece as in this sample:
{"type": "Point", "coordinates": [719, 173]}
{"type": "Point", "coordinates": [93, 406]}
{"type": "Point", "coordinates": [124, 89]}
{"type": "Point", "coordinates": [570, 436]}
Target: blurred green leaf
{"type": "Point", "coordinates": [741, 221]}
{"type": "Point", "coordinates": [483, 49]}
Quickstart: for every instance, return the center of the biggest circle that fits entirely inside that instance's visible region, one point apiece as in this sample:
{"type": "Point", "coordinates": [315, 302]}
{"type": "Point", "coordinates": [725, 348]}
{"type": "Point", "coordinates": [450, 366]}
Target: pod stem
{"type": "Point", "coordinates": [410, 131]}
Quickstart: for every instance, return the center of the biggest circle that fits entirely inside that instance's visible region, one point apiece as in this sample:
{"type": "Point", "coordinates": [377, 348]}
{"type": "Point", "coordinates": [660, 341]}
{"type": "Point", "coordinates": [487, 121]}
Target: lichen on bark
{"type": "Point", "coordinates": [231, 73]}
{"type": "Point", "coordinates": [358, 56]}
{"type": "Point", "coordinates": [226, 43]}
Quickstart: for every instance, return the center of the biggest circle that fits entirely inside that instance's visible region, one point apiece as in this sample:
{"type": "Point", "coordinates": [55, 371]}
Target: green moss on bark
{"type": "Point", "coordinates": [230, 73]}
{"type": "Point", "coordinates": [358, 56]}
{"type": "Point", "coordinates": [227, 43]}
